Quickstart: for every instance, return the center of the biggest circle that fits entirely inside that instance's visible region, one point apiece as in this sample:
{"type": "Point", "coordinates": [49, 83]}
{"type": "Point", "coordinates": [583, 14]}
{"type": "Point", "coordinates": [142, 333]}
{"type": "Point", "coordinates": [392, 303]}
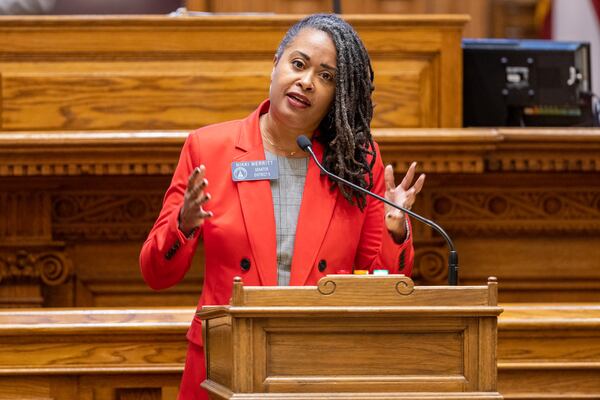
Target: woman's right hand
{"type": "Point", "coordinates": [192, 214]}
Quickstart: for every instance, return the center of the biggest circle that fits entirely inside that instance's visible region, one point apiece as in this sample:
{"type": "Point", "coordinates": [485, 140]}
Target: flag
{"type": "Point", "coordinates": [572, 20]}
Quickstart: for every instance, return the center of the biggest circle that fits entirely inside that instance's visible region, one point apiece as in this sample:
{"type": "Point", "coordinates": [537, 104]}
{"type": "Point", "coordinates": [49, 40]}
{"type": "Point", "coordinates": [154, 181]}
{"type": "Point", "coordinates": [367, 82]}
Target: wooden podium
{"type": "Point", "coordinates": [353, 337]}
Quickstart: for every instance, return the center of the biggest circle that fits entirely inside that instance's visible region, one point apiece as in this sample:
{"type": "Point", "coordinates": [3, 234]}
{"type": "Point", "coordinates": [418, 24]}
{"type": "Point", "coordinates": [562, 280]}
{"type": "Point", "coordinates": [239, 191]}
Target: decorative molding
{"type": "Point", "coordinates": [543, 163]}
{"type": "Point", "coordinates": [471, 212]}
{"type": "Point", "coordinates": [50, 267]}
{"type": "Point", "coordinates": [546, 150]}
{"type": "Point", "coordinates": [80, 216]}
{"type": "Point", "coordinates": [89, 153]}
{"type": "Point", "coordinates": [455, 151]}
{"type": "Point", "coordinates": [82, 168]}
{"type": "Point", "coordinates": [492, 150]}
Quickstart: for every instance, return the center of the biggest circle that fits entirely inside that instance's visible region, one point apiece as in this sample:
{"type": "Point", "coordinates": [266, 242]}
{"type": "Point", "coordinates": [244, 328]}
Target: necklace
{"type": "Point", "coordinates": [288, 153]}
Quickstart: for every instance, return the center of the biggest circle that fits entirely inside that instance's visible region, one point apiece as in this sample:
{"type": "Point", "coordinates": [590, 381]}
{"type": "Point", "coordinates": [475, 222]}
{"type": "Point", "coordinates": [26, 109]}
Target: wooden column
{"type": "Point", "coordinates": [30, 259]}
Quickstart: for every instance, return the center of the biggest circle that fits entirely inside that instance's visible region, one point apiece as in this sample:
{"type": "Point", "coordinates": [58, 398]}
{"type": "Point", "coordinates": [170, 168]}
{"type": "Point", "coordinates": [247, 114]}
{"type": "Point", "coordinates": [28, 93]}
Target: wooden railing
{"type": "Point", "coordinates": [544, 351]}
{"type": "Point", "coordinates": [549, 351]}
{"type": "Point", "coordinates": [109, 354]}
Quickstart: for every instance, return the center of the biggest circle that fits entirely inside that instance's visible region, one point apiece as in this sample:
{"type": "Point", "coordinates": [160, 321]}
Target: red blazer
{"type": "Point", "coordinates": [239, 240]}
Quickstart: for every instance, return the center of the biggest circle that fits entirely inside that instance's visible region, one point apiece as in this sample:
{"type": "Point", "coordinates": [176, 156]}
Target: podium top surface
{"type": "Point", "coordinates": [353, 294]}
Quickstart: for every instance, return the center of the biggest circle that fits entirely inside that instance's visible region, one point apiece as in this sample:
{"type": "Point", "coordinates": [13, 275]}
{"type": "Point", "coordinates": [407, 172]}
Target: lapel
{"type": "Point", "coordinates": [256, 201]}
{"type": "Point", "coordinates": [316, 211]}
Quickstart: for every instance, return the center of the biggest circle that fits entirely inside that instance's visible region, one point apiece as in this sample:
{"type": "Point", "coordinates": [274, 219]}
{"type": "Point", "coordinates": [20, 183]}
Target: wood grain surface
{"type": "Point", "coordinates": [544, 351]}
{"type": "Point", "coordinates": [98, 73]}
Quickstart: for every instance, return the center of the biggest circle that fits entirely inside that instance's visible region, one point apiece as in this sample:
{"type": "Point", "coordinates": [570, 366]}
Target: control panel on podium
{"type": "Point", "coordinates": [353, 337]}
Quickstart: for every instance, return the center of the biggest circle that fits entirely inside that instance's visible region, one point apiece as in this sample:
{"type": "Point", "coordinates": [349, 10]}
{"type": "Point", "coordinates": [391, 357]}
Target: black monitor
{"type": "Point", "coordinates": [527, 83]}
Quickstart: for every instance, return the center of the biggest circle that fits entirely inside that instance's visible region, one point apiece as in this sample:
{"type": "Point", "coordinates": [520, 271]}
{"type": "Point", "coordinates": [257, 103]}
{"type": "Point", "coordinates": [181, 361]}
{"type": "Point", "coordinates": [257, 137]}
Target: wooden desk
{"type": "Point", "coordinates": [544, 351]}
{"type": "Point", "coordinates": [549, 351]}
{"type": "Point", "coordinates": [101, 354]}
{"type": "Point", "coordinates": [142, 72]}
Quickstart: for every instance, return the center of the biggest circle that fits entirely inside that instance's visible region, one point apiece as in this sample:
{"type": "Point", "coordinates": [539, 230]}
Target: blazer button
{"type": "Point", "coordinates": [245, 264]}
{"type": "Point", "coordinates": [322, 265]}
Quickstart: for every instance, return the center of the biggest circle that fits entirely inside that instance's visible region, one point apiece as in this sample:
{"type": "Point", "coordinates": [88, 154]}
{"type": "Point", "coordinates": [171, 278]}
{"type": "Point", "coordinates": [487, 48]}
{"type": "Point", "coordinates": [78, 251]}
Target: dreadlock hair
{"type": "Point", "coordinates": [345, 131]}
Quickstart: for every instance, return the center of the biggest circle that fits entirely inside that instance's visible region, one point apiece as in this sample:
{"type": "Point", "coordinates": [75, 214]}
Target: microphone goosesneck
{"type": "Point", "coordinates": [305, 144]}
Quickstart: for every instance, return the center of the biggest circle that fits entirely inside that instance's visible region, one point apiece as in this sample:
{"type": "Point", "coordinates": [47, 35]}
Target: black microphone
{"type": "Point", "coordinates": [305, 144]}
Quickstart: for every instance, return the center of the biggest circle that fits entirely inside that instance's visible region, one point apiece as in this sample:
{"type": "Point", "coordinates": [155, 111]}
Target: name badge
{"type": "Point", "coordinates": [254, 170]}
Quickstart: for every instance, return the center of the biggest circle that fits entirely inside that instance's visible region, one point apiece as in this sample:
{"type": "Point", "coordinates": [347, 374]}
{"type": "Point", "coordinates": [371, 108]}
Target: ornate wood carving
{"type": "Point", "coordinates": [89, 153]}
{"type": "Point", "coordinates": [469, 151]}
{"type": "Point", "coordinates": [26, 270]}
{"type": "Point", "coordinates": [438, 151]}
{"type": "Point", "coordinates": [431, 264]}
{"type": "Point", "coordinates": [24, 216]}
{"type": "Point", "coordinates": [30, 259]}
{"type": "Point", "coordinates": [524, 211]}
{"type": "Point", "coordinates": [48, 181]}
{"type": "Point", "coordinates": [50, 267]}
{"type": "Point", "coordinates": [108, 215]}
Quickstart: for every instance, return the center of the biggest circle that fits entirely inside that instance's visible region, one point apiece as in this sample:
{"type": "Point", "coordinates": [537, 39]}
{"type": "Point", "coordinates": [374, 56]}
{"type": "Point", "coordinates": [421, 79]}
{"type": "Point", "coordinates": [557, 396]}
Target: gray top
{"type": "Point", "coordinates": [287, 196]}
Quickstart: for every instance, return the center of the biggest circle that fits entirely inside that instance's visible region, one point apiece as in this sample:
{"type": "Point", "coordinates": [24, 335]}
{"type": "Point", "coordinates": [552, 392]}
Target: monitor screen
{"type": "Point", "coordinates": [526, 83]}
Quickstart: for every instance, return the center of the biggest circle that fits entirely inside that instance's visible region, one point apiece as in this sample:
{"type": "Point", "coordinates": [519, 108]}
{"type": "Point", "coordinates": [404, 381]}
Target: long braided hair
{"type": "Point", "coordinates": [345, 131]}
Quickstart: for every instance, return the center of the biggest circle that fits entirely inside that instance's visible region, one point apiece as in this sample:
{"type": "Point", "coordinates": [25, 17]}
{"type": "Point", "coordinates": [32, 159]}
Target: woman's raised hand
{"type": "Point", "coordinates": [192, 214]}
{"type": "Point", "coordinates": [404, 195]}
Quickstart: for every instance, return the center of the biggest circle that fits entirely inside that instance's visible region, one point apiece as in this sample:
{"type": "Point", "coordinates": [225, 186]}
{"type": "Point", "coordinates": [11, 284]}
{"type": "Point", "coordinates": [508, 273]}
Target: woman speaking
{"type": "Point", "coordinates": [260, 204]}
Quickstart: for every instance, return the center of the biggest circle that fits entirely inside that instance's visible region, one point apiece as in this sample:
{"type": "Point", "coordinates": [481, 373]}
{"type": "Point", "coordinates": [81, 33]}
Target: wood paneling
{"type": "Point", "coordinates": [522, 205]}
{"type": "Point", "coordinates": [103, 354]}
{"type": "Point", "coordinates": [549, 351]}
{"type": "Point", "coordinates": [544, 351]}
{"type": "Point", "coordinates": [92, 73]}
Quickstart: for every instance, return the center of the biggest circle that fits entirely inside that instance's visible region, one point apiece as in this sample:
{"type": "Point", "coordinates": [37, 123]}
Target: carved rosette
{"type": "Point", "coordinates": [431, 266]}
{"type": "Point", "coordinates": [50, 267]}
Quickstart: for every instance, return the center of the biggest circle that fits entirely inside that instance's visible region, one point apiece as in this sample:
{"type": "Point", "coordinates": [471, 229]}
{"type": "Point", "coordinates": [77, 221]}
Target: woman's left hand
{"type": "Point", "coordinates": [404, 195]}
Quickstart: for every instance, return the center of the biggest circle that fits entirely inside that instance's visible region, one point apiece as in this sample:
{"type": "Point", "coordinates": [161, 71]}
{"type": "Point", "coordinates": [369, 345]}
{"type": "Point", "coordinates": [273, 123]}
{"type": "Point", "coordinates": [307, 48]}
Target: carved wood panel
{"type": "Point", "coordinates": [535, 229]}
{"type": "Point", "coordinates": [70, 74]}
